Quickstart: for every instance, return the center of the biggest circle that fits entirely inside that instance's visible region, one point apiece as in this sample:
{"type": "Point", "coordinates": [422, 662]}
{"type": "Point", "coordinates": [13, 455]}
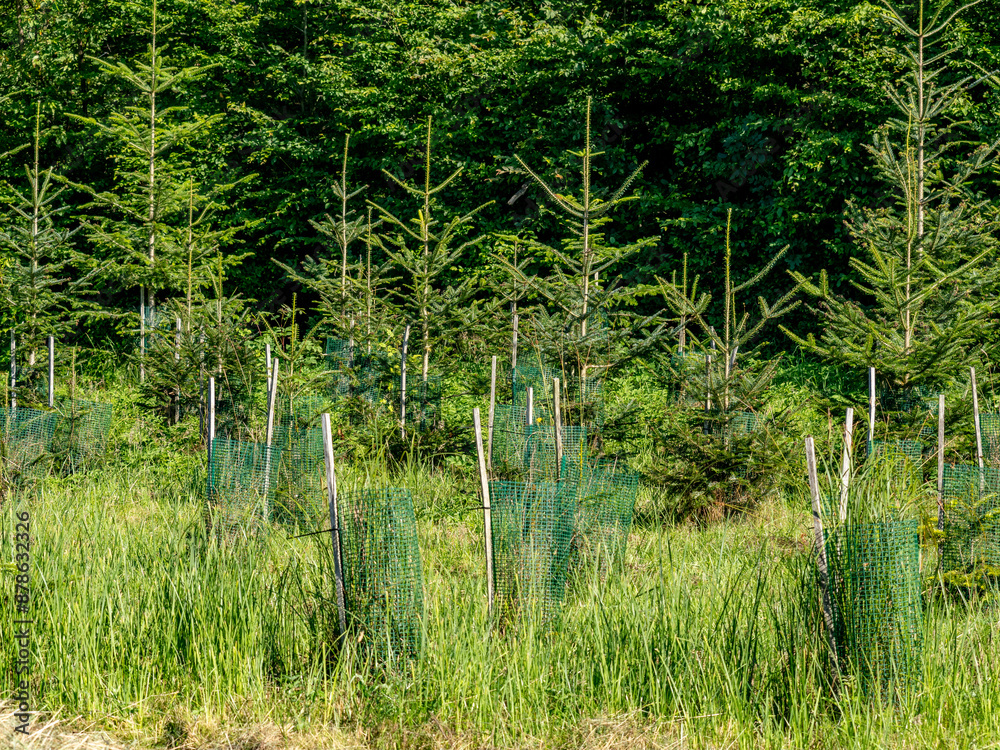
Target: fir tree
{"type": "Point", "coordinates": [147, 241]}
{"type": "Point", "coordinates": [44, 284]}
{"type": "Point", "coordinates": [722, 450]}
{"type": "Point", "coordinates": [923, 308]}
{"type": "Point", "coordinates": [424, 249]}
{"type": "Point", "coordinates": [571, 328]}
{"type": "Point", "coordinates": [347, 286]}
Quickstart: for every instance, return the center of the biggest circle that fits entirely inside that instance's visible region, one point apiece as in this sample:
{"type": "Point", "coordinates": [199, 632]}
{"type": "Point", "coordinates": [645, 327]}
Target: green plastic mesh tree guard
{"type": "Point", "coordinates": [532, 537]}
{"type": "Point", "coordinates": [242, 478]}
{"type": "Point", "coordinates": [971, 520]}
{"type": "Point", "coordinates": [688, 380]}
{"type": "Point", "coordinates": [81, 432]}
{"type": "Point", "coordinates": [423, 400]}
{"type": "Point", "coordinates": [383, 578]}
{"type": "Point", "coordinates": [907, 399]}
{"type": "Point", "coordinates": [302, 410]}
{"type": "Point", "coordinates": [875, 589]}
{"type": "Point", "coordinates": [340, 362]}
{"type": "Point", "coordinates": [989, 425]}
{"type": "Point", "coordinates": [581, 401]}
{"type": "Point", "coordinates": [300, 497]}
{"type": "Point", "coordinates": [539, 460]}
{"type": "Point", "coordinates": [25, 439]}
{"type": "Point", "coordinates": [508, 438]}
{"type": "Point", "coordinates": [906, 457]}
{"type": "Point", "coordinates": [604, 500]}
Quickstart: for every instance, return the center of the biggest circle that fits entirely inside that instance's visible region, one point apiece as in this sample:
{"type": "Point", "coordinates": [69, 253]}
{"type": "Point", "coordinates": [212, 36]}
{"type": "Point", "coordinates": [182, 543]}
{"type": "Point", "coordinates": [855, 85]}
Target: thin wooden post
{"type": "Point", "coordinates": [271, 362]}
{"type": "Point", "coordinates": [492, 413]}
{"type": "Point", "coordinates": [267, 360]}
{"type": "Point", "coordinates": [484, 483]}
{"type": "Point", "coordinates": [513, 346]}
{"type": "Point", "coordinates": [142, 334]}
{"type": "Point", "coordinates": [940, 458]}
{"type": "Point", "coordinates": [529, 422]}
{"type": "Point", "coordinates": [557, 419]}
{"type": "Point", "coordinates": [402, 382]}
{"type": "Point", "coordinates": [331, 491]}
{"type": "Point", "coordinates": [871, 409]}
{"type": "Point", "coordinates": [821, 561]}
{"type": "Point", "coordinates": [845, 464]}
{"type": "Point", "coordinates": [271, 402]}
{"type": "Point", "coordinates": [975, 415]}
{"type": "Point", "coordinates": [210, 443]}
{"type": "Point", "coordinates": [52, 372]}
{"type": "Point", "coordinates": [708, 382]}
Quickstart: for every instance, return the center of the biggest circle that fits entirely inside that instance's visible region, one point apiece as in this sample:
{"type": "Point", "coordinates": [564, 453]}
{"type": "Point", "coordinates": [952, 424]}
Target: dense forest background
{"type": "Point", "coordinates": [764, 108]}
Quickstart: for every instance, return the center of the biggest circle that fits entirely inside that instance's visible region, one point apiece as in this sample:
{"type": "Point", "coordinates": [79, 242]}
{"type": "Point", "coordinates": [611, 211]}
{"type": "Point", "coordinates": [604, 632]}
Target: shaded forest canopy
{"type": "Point", "coordinates": [763, 107]}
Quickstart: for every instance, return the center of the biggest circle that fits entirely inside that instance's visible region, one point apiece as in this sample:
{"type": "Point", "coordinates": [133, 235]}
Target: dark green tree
{"type": "Point", "coordinates": [144, 228]}
{"type": "Point", "coordinates": [581, 325]}
{"type": "Point", "coordinates": [926, 267]}
{"type": "Point", "coordinates": [45, 282]}
{"type": "Point", "coordinates": [425, 248]}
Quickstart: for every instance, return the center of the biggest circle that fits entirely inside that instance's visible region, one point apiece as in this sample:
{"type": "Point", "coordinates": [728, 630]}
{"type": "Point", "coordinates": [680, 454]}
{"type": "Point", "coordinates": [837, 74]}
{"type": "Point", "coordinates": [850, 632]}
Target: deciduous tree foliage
{"type": "Point", "coordinates": [762, 107]}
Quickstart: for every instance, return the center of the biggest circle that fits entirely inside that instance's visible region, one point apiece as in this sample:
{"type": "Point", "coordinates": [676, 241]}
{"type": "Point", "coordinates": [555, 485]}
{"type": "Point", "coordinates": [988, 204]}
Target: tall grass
{"type": "Point", "coordinates": [145, 623]}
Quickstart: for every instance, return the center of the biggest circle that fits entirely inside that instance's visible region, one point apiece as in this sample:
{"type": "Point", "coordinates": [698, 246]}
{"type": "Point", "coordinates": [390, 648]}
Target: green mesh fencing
{"type": "Point", "coordinates": [971, 520]}
{"type": "Point", "coordinates": [25, 438]}
{"type": "Point", "coordinates": [508, 438]}
{"type": "Point", "coordinates": [340, 362]}
{"type": "Point", "coordinates": [904, 456]}
{"type": "Point", "coordinates": [383, 579]}
{"type": "Point", "coordinates": [687, 381]}
{"type": "Point", "coordinates": [81, 432]}
{"type": "Point", "coordinates": [874, 573]}
{"type": "Point", "coordinates": [989, 425]}
{"type": "Point", "coordinates": [300, 495]}
{"type": "Point", "coordinates": [907, 399]}
{"type": "Point", "coordinates": [423, 400]}
{"type": "Point", "coordinates": [604, 500]}
{"type": "Point", "coordinates": [532, 527]}
{"type": "Point", "coordinates": [581, 401]}
{"type": "Point", "coordinates": [301, 411]}
{"type": "Point", "coordinates": [539, 461]}
{"type": "Point", "coordinates": [242, 479]}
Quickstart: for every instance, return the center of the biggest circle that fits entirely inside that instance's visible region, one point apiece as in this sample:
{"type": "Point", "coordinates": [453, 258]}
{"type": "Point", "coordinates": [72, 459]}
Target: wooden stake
{"type": "Point", "coordinates": [272, 399]}
{"type": "Point", "coordinates": [513, 346]}
{"type": "Point", "coordinates": [402, 382]}
{"type": "Point", "coordinates": [484, 483]}
{"type": "Point", "coordinates": [871, 409]}
{"type": "Point", "coordinates": [845, 465]}
{"type": "Point", "coordinates": [529, 423]}
{"type": "Point", "coordinates": [940, 458]}
{"type": "Point", "coordinates": [557, 413]}
{"type": "Point", "coordinates": [331, 491]}
{"type": "Point", "coordinates": [492, 413]}
{"type": "Point", "coordinates": [267, 359]}
{"type": "Point", "coordinates": [210, 443]}
{"type": "Point", "coordinates": [52, 372]}
{"type": "Point", "coordinates": [975, 414]}
{"type": "Point", "coordinates": [821, 561]}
